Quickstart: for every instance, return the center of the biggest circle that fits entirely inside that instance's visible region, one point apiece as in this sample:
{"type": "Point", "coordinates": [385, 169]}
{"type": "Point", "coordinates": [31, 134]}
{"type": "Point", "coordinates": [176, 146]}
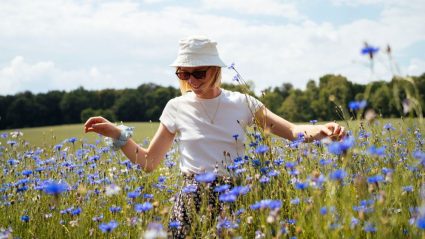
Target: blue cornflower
{"type": "Point", "coordinates": [221, 188]}
{"type": "Point", "coordinates": [108, 227]}
{"type": "Point", "coordinates": [115, 209]}
{"type": "Point", "coordinates": [389, 127]}
{"type": "Point", "coordinates": [231, 66]}
{"type": "Point", "coordinates": [369, 227]}
{"type": "Point", "coordinates": [174, 224]}
{"type": "Point", "coordinates": [191, 188]}
{"type": "Point", "coordinates": [207, 177]}
{"type": "Point", "coordinates": [375, 179]}
{"type": "Point", "coordinates": [76, 211]}
{"type": "Point", "coordinates": [27, 172]}
{"type": "Point", "coordinates": [338, 175]}
{"type": "Point", "coordinates": [353, 222]}
{"type": "Point", "coordinates": [133, 195]}
{"type": "Point", "coordinates": [143, 207]}
{"type": "Point", "coordinates": [278, 161]}
{"type": "Point", "coordinates": [11, 142]}
{"type": "Point", "coordinates": [161, 179]}
{"type": "Point", "coordinates": [25, 218]}
{"type": "Point", "coordinates": [55, 188]}
{"type": "Point", "coordinates": [313, 121]}
{"type": "Point", "coordinates": [148, 195]}
{"type": "Point", "coordinates": [323, 210]}
{"type": "Point", "coordinates": [240, 190]}
{"type": "Point", "coordinates": [264, 179]}
{"type": "Point", "coordinates": [12, 161]}
{"type": "Point", "coordinates": [357, 105]}
{"type": "Point", "coordinates": [227, 224]}
{"type": "Point", "coordinates": [339, 148]}
{"type": "Point", "coordinates": [301, 185]}
{"type": "Point", "coordinates": [267, 203]}
{"type": "Point", "coordinates": [408, 188]}
{"type": "Point", "coordinates": [261, 149]}
{"type": "Point", "coordinates": [3, 135]}
{"type": "Point", "coordinates": [57, 147]}
{"type": "Point", "coordinates": [369, 50]}
{"type": "Point", "coordinates": [377, 151]}
{"type": "Point", "coordinates": [420, 222]}
{"type": "Point", "coordinates": [235, 136]}
{"type": "Point", "coordinates": [227, 197]}
{"type": "Point", "coordinates": [71, 140]}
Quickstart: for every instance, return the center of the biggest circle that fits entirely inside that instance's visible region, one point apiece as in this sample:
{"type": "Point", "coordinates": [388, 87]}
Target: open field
{"type": "Point", "coordinates": [51, 135]}
{"type": "Point", "coordinates": [370, 185]}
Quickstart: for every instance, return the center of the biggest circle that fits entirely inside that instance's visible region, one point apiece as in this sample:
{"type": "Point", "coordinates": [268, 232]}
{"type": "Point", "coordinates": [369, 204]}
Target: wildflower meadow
{"type": "Point", "coordinates": [368, 185]}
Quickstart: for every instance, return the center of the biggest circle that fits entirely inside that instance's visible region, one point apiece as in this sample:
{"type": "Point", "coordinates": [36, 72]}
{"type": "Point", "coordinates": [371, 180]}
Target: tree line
{"type": "Point", "coordinates": [323, 101]}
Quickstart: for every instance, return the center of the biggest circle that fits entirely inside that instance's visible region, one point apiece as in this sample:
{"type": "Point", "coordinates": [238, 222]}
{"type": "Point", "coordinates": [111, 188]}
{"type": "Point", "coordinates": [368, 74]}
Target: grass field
{"type": "Point", "coordinates": [370, 185]}
{"type": "Point", "coordinates": [52, 135]}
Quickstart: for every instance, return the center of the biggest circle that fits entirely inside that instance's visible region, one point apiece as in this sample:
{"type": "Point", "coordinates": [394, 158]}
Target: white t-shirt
{"type": "Point", "coordinates": [203, 145]}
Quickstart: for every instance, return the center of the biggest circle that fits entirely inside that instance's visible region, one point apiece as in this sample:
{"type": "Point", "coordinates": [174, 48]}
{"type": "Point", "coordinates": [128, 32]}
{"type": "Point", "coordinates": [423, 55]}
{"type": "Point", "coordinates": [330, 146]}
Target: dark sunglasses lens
{"type": "Point", "coordinates": [199, 74]}
{"type": "Point", "coordinates": [183, 75]}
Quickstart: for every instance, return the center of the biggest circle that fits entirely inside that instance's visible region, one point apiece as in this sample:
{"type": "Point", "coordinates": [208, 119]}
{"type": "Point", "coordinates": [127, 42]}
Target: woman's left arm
{"type": "Point", "coordinates": [283, 128]}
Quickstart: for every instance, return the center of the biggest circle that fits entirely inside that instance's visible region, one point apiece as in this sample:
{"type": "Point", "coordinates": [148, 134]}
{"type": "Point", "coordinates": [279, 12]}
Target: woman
{"type": "Point", "coordinates": [209, 122]}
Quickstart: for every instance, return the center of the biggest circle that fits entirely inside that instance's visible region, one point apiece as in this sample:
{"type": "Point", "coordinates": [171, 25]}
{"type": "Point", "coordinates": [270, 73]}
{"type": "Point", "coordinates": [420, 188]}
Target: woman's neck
{"type": "Point", "coordinates": [211, 93]}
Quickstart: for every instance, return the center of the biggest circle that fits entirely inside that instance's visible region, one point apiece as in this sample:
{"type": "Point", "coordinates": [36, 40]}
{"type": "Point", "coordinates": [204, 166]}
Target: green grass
{"type": "Point", "coordinates": [51, 135]}
{"type": "Point", "coordinates": [378, 196]}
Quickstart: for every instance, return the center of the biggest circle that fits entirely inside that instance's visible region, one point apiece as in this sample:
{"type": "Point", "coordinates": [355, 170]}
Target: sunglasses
{"type": "Point", "coordinates": [185, 75]}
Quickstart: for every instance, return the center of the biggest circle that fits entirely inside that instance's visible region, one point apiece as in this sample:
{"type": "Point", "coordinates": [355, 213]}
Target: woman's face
{"type": "Point", "coordinates": [200, 80]}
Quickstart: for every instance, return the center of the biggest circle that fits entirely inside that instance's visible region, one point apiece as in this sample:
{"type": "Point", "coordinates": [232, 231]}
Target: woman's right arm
{"type": "Point", "coordinates": [148, 158]}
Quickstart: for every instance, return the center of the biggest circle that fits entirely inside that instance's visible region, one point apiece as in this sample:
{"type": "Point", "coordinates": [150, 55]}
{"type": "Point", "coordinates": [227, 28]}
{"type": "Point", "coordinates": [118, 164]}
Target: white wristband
{"type": "Point", "coordinates": [126, 133]}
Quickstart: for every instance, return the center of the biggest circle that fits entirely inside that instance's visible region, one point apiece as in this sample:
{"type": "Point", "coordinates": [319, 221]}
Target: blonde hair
{"type": "Point", "coordinates": [214, 72]}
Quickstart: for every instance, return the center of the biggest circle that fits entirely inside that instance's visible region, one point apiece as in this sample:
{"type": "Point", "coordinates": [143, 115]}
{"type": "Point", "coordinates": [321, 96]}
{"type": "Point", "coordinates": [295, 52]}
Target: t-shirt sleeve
{"type": "Point", "coordinates": [253, 104]}
{"type": "Point", "coordinates": [169, 115]}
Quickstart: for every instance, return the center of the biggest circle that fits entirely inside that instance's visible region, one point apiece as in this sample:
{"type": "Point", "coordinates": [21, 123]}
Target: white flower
{"type": "Point", "coordinates": [112, 189]}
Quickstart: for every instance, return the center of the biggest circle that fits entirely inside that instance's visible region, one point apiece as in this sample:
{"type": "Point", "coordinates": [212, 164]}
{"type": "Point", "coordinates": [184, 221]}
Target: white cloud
{"type": "Point", "coordinates": [256, 7]}
{"type": "Point", "coordinates": [100, 44]}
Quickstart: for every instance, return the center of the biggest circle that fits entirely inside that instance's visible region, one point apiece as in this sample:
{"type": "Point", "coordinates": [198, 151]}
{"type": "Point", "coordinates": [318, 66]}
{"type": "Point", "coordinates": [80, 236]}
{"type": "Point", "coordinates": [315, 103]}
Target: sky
{"type": "Point", "coordinates": [65, 44]}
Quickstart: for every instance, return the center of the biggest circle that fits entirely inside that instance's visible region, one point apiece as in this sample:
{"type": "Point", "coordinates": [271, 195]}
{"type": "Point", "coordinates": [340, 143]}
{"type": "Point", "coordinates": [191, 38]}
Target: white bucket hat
{"type": "Point", "coordinates": [197, 51]}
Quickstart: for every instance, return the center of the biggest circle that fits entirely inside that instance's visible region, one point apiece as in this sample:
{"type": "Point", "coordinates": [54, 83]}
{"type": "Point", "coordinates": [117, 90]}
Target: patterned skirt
{"type": "Point", "coordinates": [196, 207]}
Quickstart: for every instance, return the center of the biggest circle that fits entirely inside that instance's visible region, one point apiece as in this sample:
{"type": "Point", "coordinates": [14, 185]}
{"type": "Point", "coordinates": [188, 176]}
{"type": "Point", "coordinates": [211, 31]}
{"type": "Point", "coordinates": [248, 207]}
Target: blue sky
{"type": "Point", "coordinates": [63, 44]}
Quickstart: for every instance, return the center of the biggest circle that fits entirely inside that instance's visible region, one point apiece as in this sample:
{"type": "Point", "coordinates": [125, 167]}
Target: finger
{"type": "Point", "coordinates": [337, 129]}
{"type": "Point", "coordinates": [325, 130]}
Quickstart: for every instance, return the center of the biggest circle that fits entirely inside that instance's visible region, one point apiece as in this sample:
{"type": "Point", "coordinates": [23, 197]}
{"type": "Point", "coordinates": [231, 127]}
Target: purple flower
{"type": "Point", "coordinates": [420, 222]}
{"type": "Point", "coordinates": [207, 177]}
{"type": "Point", "coordinates": [190, 188]}
{"type": "Point", "coordinates": [55, 188]}
{"type": "Point", "coordinates": [25, 218]}
{"type": "Point", "coordinates": [339, 148]}
{"type": "Point", "coordinates": [261, 149]}
{"type": "Point", "coordinates": [240, 190]}
{"type": "Point", "coordinates": [301, 185]}
{"type": "Point", "coordinates": [357, 105]}
{"type": "Point", "coordinates": [227, 197]}
{"type": "Point", "coordinates": [133, 195]}
{"type": "Point", "coordinates": [375, 179]}
{"type": "Point", "coordinates": [108, 227]}
{"type": "Point", "coordinates": [174, 224]}
{"type": "Point", "coordinates": [26, 172]}
{"type": "Point", "coordinates": [115, 209]}
{"type": "Point", "coordinates": [338, 175]}
{"type": "Point", "coordinates": [267, 203]}
{"type": "Point", "coordinates": [221, 188]}
{"type": "Point", "coordinates": [143, 207]}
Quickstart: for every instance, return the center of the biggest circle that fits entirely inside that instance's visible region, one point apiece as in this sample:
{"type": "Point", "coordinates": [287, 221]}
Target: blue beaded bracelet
{"type": "Point", "coordinates": [126, 133]}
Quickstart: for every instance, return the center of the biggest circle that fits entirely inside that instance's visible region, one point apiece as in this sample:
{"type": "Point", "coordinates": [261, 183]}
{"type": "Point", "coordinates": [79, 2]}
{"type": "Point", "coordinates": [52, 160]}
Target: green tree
{"type": "Point", "coordinates": [74, 102]}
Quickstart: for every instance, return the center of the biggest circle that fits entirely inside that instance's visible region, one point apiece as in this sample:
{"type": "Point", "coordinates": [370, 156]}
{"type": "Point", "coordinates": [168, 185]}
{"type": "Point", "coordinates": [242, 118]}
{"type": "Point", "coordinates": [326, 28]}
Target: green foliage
{"type": "Point", "coordinates": [324, 100]}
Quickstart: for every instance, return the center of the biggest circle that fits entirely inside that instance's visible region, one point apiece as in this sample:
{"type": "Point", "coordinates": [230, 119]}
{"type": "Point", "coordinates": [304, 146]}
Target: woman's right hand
{"type": "Point", "coordinates": [102, 126]}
